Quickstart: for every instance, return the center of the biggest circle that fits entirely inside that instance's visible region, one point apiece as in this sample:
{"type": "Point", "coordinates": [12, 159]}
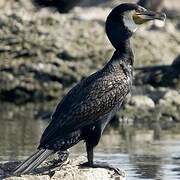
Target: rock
{"type": "Point", "coordinates": [154, 5]}
{"type": "Point", "coordinates": [147, 90]}
{"type": "Point", "coordinates": [171, 97]}
{"type": "Point", "coordinates": [29, 177]}
{"type": "Point", "coordinates": [160, 105]}
{"type": "Point", "coordinates": [2, 3]}
{"type": "Point", "coordinates": [41, 60]}
{"type": "Point", "coordinates": [70, 171]}
{"type": "Point", "coordinates": [172, 9]}
{"type": "Point", "coordinates": [176, 62]}
{"type": "Point", "coordinates": [140, 101]}
{"type": "Point", "coordinates": [164, 75]}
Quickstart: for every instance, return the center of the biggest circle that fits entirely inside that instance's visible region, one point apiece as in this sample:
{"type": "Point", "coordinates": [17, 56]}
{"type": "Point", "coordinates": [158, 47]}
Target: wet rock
{"type": "Point", "coordinates": [70, 171]}
{"type": "Point", "coordinates": [142, 101]}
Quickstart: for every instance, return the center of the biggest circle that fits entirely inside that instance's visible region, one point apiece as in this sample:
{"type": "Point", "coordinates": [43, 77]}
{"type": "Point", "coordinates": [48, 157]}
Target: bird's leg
{"type": "Point", "coordinates": [93, 164]}
{"type": "Point", "coordinates": [90, 156]}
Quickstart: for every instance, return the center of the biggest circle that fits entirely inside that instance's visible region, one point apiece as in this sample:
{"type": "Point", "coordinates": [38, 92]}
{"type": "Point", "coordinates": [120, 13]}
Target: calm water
{"type": "Point", "coordinates": [136, 151]}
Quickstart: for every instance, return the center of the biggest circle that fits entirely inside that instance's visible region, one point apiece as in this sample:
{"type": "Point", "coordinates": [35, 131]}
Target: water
{"type": "Point", "coordinates": [140, 152]}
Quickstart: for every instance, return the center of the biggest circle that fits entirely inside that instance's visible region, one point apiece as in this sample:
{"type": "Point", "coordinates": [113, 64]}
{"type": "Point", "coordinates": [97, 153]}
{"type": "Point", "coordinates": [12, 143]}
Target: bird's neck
{"type": "Point", "coordinates": [122, 56]}
{"type": "Point", "coordinates": [124, 47]}
{"type": "Point", "coordinates": [123, 53]}
{"type": "Point", "coordinates": [119, 36]}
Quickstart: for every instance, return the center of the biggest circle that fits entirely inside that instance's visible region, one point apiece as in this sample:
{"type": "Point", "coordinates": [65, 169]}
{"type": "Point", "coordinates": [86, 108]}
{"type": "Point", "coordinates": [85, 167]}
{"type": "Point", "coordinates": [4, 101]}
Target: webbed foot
{"type": "Point", "coordinates": [104, 165]}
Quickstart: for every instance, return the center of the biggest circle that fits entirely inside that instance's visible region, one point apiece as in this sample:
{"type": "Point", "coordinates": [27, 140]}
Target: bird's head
{"type": "Point", "coordinates": [124, 20]}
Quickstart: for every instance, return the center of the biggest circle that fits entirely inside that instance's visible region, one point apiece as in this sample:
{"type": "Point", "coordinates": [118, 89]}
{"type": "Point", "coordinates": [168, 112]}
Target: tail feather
{"type": "Point", "coordinates": [33, 161]}
{"type": "Point", "coordinates": [37, 162]}
{"type": "Point", "coordinates": [25, 163]}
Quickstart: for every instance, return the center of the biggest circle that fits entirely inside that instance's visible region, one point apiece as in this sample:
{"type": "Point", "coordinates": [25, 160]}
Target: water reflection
{"type": "Point", "coordinates": [143, 153]}
{"type": "Point", "coordinates": [19, 130]}
{"type": "Point", "coordinates": [146, 166]}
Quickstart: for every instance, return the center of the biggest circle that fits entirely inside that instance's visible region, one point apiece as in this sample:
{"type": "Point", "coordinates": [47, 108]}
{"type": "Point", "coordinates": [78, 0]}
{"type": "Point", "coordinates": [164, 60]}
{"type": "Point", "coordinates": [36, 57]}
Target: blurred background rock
{"type": "Point", "coordinates": [43, 53]}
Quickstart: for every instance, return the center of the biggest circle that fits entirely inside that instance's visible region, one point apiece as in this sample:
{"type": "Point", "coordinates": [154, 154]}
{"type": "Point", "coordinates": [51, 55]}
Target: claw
{"type": "Point", "coordinates": [118, 171]}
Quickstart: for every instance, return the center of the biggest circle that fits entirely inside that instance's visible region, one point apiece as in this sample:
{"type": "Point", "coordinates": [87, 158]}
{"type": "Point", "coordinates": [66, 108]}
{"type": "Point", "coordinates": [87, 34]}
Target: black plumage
{"type": "Point", "coordinates": [85, 111]}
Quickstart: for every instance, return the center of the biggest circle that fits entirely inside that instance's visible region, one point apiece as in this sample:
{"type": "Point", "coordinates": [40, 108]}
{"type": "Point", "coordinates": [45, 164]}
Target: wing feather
{"type": "Point", "coordinates": [86, 102]}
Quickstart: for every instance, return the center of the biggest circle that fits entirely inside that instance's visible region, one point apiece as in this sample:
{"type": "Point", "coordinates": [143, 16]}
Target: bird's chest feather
{"type": "Point", "coordinates": [123, 86]}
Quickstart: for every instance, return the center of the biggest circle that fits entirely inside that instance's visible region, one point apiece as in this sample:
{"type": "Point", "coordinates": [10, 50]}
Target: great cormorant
{"type": "Point", "coordinates": [87, 108]}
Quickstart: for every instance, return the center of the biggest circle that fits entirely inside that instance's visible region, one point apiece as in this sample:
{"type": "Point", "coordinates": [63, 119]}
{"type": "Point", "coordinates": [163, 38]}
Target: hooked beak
{"type": "Point", "coordinates": [145, 16]}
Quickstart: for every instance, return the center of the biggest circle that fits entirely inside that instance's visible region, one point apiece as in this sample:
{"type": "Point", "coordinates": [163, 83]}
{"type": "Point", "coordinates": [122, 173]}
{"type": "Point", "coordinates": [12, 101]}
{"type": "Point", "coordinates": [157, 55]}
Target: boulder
{"type": "Point", "coordinates": [140, 101]}
{"type": "Point", "coordinates": [171, 97]}
{"type": "Point", "coordinates": [69, 171]}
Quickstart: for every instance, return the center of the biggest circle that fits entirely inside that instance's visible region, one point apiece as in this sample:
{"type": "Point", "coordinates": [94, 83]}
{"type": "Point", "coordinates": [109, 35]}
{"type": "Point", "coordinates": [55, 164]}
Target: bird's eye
{"type": "Point", "coordinates": [140, 10]}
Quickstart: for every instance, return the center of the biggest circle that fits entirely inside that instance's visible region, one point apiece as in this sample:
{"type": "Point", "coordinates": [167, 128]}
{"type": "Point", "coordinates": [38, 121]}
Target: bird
{"type": "Point", "coordinates": [87, 108]}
